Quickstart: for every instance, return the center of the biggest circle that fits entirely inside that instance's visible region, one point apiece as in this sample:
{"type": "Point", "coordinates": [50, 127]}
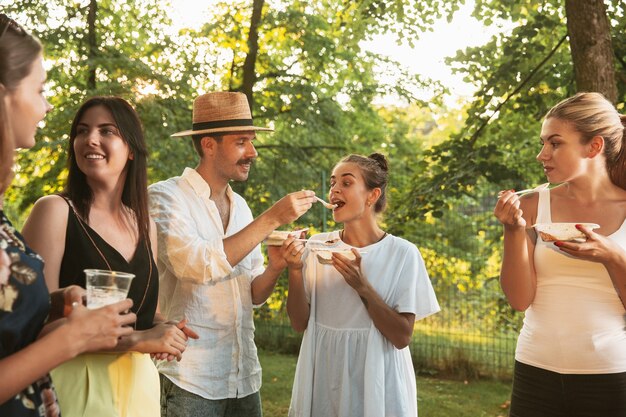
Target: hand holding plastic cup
{"type": "Point", "coordinates": [106, 287]}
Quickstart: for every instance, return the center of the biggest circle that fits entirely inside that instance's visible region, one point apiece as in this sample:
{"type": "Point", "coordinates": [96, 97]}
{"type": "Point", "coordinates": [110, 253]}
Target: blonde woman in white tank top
{"type": "Point", "coordinates": [571, 353]}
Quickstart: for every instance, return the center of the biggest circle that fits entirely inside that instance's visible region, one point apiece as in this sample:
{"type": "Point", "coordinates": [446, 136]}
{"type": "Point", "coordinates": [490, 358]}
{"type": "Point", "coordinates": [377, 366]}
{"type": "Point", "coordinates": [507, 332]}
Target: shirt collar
{"type": "Point", "coordinates": [200, 186]}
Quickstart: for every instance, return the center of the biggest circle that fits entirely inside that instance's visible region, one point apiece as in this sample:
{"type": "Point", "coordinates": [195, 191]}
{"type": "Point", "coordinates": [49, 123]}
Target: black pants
{"type": "Point", "coordinates": [541, 393]}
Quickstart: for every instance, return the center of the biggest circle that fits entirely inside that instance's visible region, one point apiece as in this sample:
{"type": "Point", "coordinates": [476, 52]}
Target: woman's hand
{"type": "Point", "coordinates": [163, 341]}
{"type": "Point", "coordinates": [351, 270]}
{"type": "Point", "coordinates": [189, 333]}
{"type": "Point", "coordinates": [100, 329]}
{"type": "Point", "coordinates": [396, 327]}
{"type": "Point", "coordinates": [596, 248]}
{"type": "Point", "coordinates": [291, 251]}
{"type": "Point", "coordinates": [182, 325]}
{"type": "Point", "coordinates": [508, 211]}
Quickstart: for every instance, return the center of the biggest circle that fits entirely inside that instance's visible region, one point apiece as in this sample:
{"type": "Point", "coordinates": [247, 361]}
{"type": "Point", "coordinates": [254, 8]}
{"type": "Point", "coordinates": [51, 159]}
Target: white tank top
{"type": "Point", "coordinates": [576, 324]}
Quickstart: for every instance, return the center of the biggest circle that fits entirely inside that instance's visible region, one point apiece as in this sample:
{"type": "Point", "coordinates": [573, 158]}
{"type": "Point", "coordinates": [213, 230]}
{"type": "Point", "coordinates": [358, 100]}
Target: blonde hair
{"type": "Point", "coordinates": [591, 114]}
{"type": "Point", "coordinates": [18, 50]}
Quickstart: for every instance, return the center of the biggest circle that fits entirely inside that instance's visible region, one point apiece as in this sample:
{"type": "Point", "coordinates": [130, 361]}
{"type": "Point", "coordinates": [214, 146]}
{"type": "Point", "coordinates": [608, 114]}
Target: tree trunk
{"type": "Point", "coordinates": [92, 47]}
{"type": "Point", "coordinates": [249, 73]}
{"type": "Point", "coordinates": [590, 42]}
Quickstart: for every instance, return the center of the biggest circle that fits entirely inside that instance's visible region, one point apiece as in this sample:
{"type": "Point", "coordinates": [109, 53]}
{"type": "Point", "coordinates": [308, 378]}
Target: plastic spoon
{"type": "Point", "coordinates": [327, 205]}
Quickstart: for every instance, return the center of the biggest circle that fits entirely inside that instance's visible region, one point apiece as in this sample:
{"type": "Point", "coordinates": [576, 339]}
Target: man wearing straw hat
{"type": "Point", "coordinates": [211, 265]}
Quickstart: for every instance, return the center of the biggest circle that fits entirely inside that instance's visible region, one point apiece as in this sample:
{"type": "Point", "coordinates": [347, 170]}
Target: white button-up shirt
{"type": "Point", "coordinates": [198, 283]}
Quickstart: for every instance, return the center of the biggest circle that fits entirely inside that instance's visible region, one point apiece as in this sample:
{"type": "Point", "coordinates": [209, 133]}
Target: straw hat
{"type": "Point", "coordinates": [221, 111]}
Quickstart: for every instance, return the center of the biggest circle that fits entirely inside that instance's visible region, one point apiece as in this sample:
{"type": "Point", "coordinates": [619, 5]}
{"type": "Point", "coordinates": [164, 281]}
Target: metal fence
{"type": "Point", "coordinates": [476, 331]}
{"type": "Point", "coordinates": [468, 344]}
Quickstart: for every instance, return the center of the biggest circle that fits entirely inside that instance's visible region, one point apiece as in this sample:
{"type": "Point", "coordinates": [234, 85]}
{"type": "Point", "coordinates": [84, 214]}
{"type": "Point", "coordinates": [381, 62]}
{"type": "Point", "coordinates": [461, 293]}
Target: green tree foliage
{"type": "Point", "coordinates": [519, 74]}
{"type": "Point", "coordinates": [313, 82]}
{"type": "Point", "coordinates": [446, 208]}
{"type": "Point", "coordinates": [103, 48]}
{"type": "Point", "coordinates": [317, 87]}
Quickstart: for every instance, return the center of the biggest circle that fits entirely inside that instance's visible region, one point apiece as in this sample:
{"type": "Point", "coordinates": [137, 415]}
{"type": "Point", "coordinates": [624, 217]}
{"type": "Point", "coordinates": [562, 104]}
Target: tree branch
{"type": "Point", "coordinates": [525, 81]}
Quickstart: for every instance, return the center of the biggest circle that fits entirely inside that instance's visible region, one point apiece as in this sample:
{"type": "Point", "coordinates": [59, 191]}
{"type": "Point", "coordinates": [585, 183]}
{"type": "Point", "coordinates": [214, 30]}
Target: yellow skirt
{"type": "Point", "coordinates": [108, 384]}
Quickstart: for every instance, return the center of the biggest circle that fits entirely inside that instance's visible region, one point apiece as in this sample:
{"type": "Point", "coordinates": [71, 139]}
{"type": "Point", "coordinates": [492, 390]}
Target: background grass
{"type": "Point", "coordinates": [459, 354]}
{"type": "Point", "coordinates": [436, 397]}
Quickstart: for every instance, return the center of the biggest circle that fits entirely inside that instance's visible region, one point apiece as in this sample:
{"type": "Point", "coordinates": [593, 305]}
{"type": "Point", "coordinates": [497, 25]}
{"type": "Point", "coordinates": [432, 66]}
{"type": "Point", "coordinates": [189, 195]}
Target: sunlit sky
{"type": "Point", "coordinates": [425, 58]}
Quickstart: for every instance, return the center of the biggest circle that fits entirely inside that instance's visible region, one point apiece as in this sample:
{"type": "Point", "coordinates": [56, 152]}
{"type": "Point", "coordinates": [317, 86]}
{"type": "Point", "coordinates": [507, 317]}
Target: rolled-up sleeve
{"type": "Point", "coordinates": [192, 252]}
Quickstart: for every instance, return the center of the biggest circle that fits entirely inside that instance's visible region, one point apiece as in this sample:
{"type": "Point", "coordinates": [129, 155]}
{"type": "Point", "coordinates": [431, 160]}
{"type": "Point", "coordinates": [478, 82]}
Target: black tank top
{"type": "Point", "coordinates": [84, 248]}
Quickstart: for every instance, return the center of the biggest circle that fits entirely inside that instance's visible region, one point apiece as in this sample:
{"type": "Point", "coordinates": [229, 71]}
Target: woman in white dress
{"type": "Point", "coordinates": [356, 307]}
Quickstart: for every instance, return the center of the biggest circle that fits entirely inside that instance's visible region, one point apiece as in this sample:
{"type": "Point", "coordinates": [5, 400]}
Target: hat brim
{"type": "Point", "coordinates": [222, 130]}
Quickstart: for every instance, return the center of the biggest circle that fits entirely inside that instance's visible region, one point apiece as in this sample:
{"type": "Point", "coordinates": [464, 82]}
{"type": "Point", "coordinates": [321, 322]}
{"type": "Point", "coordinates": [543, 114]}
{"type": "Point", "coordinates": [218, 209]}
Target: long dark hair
{"type": "Point", "coordinates": [135, 193]}
{"type": "Point", "coordinates": [19, 50]}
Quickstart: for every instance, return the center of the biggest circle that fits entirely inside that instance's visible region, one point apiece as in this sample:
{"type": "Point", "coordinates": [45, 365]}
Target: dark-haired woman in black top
{"type": "Point", "coordinates": [101, 221]}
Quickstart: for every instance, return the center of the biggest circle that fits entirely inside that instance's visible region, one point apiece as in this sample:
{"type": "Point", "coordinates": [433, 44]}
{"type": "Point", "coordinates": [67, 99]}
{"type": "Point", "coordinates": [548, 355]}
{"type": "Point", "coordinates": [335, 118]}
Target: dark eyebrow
{"type": "Point", "coordinates": [550, 137]}
{"type": "Point", "coordinates": [99, 126]}
{"type": "Point", "coordinates": [344, 175]}
{"type": "Point", "coordinates": [244, 137]}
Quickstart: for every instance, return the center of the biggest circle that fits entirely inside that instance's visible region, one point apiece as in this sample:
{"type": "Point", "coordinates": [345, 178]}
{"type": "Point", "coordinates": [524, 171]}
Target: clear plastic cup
{"type": "Point", "coordinates": [106, 287]}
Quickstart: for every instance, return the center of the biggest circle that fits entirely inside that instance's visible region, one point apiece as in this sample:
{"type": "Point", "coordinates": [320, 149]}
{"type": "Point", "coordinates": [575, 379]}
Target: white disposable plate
{"type": "Point", "coordinates": [550, 232]}
{"type": "Point", "coordinates": [325, 256]}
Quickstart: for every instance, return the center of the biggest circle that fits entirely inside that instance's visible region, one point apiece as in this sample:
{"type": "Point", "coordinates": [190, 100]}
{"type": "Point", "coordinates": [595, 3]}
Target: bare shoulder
{"type": "Point", "coordinates": [528, 204]}
{"type": "Point", "coordinates": [50, 206]}
{"type": "Point", "coordinates": [47, 217]}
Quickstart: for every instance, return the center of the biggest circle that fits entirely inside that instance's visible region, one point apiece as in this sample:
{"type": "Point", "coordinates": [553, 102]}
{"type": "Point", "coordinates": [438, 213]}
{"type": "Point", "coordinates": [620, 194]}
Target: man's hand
{"type": "Point", "coordinates": [275, 258]}
{"type": "Point", "coordinates": [292, 206]}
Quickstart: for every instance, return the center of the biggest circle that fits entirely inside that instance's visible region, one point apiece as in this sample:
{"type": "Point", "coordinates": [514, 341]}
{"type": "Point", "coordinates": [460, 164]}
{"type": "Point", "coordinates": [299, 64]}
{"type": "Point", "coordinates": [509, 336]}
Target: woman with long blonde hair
{"type": "Point", "coordinates": [571, 353]}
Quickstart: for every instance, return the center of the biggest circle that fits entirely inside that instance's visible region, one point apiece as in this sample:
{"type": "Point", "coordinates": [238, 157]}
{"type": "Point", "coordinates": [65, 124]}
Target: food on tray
{"type": "Point", "coordinates": [326, 256]}
{"type": "Point", "coordinates": [277, 237]}
{"type": "Point", "coordinates": [547, 237]}
{"type": "Point", "coordinates": [551, 232]}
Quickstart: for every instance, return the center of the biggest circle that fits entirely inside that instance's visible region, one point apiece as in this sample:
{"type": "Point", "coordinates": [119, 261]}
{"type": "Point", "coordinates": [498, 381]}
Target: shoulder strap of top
{"type": "Point", "coordinates": [82, 225]}
{"type": "Point", "coordinates": [67, 200]}
{"type": "Point", "coordinates": [543, 207]}
{"type": "Point", "coordinates": [72, 208]}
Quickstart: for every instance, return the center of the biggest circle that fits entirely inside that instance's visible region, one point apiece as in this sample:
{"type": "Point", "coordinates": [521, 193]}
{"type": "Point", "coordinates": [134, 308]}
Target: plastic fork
{"type": "Point", "coordinates": [533, 190]}
{"type": "Point", "coordinates": [327, 205]}
{"type": "Point", "coordinates": [538, 188]}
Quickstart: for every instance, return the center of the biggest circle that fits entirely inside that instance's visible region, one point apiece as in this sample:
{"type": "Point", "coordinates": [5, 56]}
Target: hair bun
{"type": "Point", "coordinates": [381, 160]}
